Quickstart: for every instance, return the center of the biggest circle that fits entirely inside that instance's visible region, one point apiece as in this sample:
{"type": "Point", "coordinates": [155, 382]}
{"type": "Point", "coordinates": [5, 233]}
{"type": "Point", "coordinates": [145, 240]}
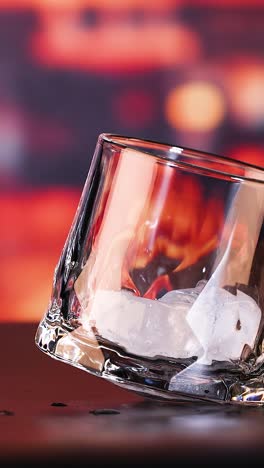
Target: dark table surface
{"type": "Point", "coordinates": [47, 413]}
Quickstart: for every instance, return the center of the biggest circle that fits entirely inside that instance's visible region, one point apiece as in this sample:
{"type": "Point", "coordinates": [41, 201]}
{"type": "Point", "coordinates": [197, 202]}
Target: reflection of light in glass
{"type": "Point", "coordinates": [176, 150]}
{"type": "Point", "coordinates": [195, 106]}
{"type": "Point", "coordinates": [246, 89]}
{"type": "Point", "coordinates": [252, 154]}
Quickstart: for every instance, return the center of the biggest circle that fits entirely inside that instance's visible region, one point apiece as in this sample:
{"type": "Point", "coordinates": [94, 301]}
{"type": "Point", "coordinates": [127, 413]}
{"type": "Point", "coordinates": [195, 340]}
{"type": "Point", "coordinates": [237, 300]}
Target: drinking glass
{"type": "Point", "coordinates": [160, 284]}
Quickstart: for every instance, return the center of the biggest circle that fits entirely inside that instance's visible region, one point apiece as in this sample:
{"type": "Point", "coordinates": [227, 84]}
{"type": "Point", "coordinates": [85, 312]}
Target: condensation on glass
{"type": "Point", "coordinates": [160, 284]}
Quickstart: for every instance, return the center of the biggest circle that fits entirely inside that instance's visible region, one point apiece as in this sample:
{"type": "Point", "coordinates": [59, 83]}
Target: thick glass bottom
{"type": "Point", "coordinates": [164, 379]}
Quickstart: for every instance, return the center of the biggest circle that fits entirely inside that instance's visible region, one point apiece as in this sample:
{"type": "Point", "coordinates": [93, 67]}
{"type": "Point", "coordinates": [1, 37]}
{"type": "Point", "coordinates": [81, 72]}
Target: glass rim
{"type": "Point", "coordinates": [252, 173]}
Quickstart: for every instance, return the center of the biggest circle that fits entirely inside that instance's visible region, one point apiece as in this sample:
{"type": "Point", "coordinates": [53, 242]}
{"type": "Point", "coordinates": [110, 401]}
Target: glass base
{"type": "Point", "coordinates": [159, 378]}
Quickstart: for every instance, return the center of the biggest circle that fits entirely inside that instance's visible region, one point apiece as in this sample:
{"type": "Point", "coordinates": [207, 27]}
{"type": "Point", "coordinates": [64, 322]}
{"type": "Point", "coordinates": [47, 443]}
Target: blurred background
{"type": "Point", "coordinates": [184, 72]}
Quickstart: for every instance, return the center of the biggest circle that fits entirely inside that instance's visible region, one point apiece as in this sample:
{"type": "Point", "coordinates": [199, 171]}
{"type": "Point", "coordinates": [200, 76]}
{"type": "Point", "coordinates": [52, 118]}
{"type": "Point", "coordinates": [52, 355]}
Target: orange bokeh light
{"type": "Point", "coordinates": [196, 106]}
{"type": "Point", "coordinates": [245, 82]}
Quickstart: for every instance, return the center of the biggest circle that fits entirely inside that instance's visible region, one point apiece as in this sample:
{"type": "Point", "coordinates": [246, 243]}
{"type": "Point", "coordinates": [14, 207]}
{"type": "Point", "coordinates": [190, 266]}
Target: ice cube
{"type": "Point", "coordinates": [179, 303]}
{"type": "Point", "coordinates": [143, 326]}
{"type": "Point", "coordinates": [223, 323]}
{"type": "Point", "coordinates": [185, 296]}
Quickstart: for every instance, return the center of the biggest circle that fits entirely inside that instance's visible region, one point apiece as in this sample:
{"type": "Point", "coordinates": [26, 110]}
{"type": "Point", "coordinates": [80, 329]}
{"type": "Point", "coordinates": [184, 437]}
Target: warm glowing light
{"type": "Point", "coordinates": [74, 4]}
{"type": "Point", "coordinates": [196, 106]}
{"type": "Point", "coordinates": [34, 226]}
{"type": "Point", "coordinates": [121, 4]}
{"type": "Point", "coordinates": [246, 90]}
{"type": "Point", "coordinates": [113, 46]}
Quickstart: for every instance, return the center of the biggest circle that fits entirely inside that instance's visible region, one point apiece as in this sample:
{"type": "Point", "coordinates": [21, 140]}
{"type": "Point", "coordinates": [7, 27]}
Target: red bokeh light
{"type": "Point", "coordinates": [115, 48]}
{"type": "Point", "coordinates": [34, 226]}
{"type": "Point", "coordinates": [80, 4]}
{"type": "Point", "coordinates": [135, 107]}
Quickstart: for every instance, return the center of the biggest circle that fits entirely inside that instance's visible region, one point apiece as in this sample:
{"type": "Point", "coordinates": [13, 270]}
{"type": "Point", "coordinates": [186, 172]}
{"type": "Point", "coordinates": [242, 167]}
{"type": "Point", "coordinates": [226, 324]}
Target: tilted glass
{"type": "Point", "coordinates": [160, 284]}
